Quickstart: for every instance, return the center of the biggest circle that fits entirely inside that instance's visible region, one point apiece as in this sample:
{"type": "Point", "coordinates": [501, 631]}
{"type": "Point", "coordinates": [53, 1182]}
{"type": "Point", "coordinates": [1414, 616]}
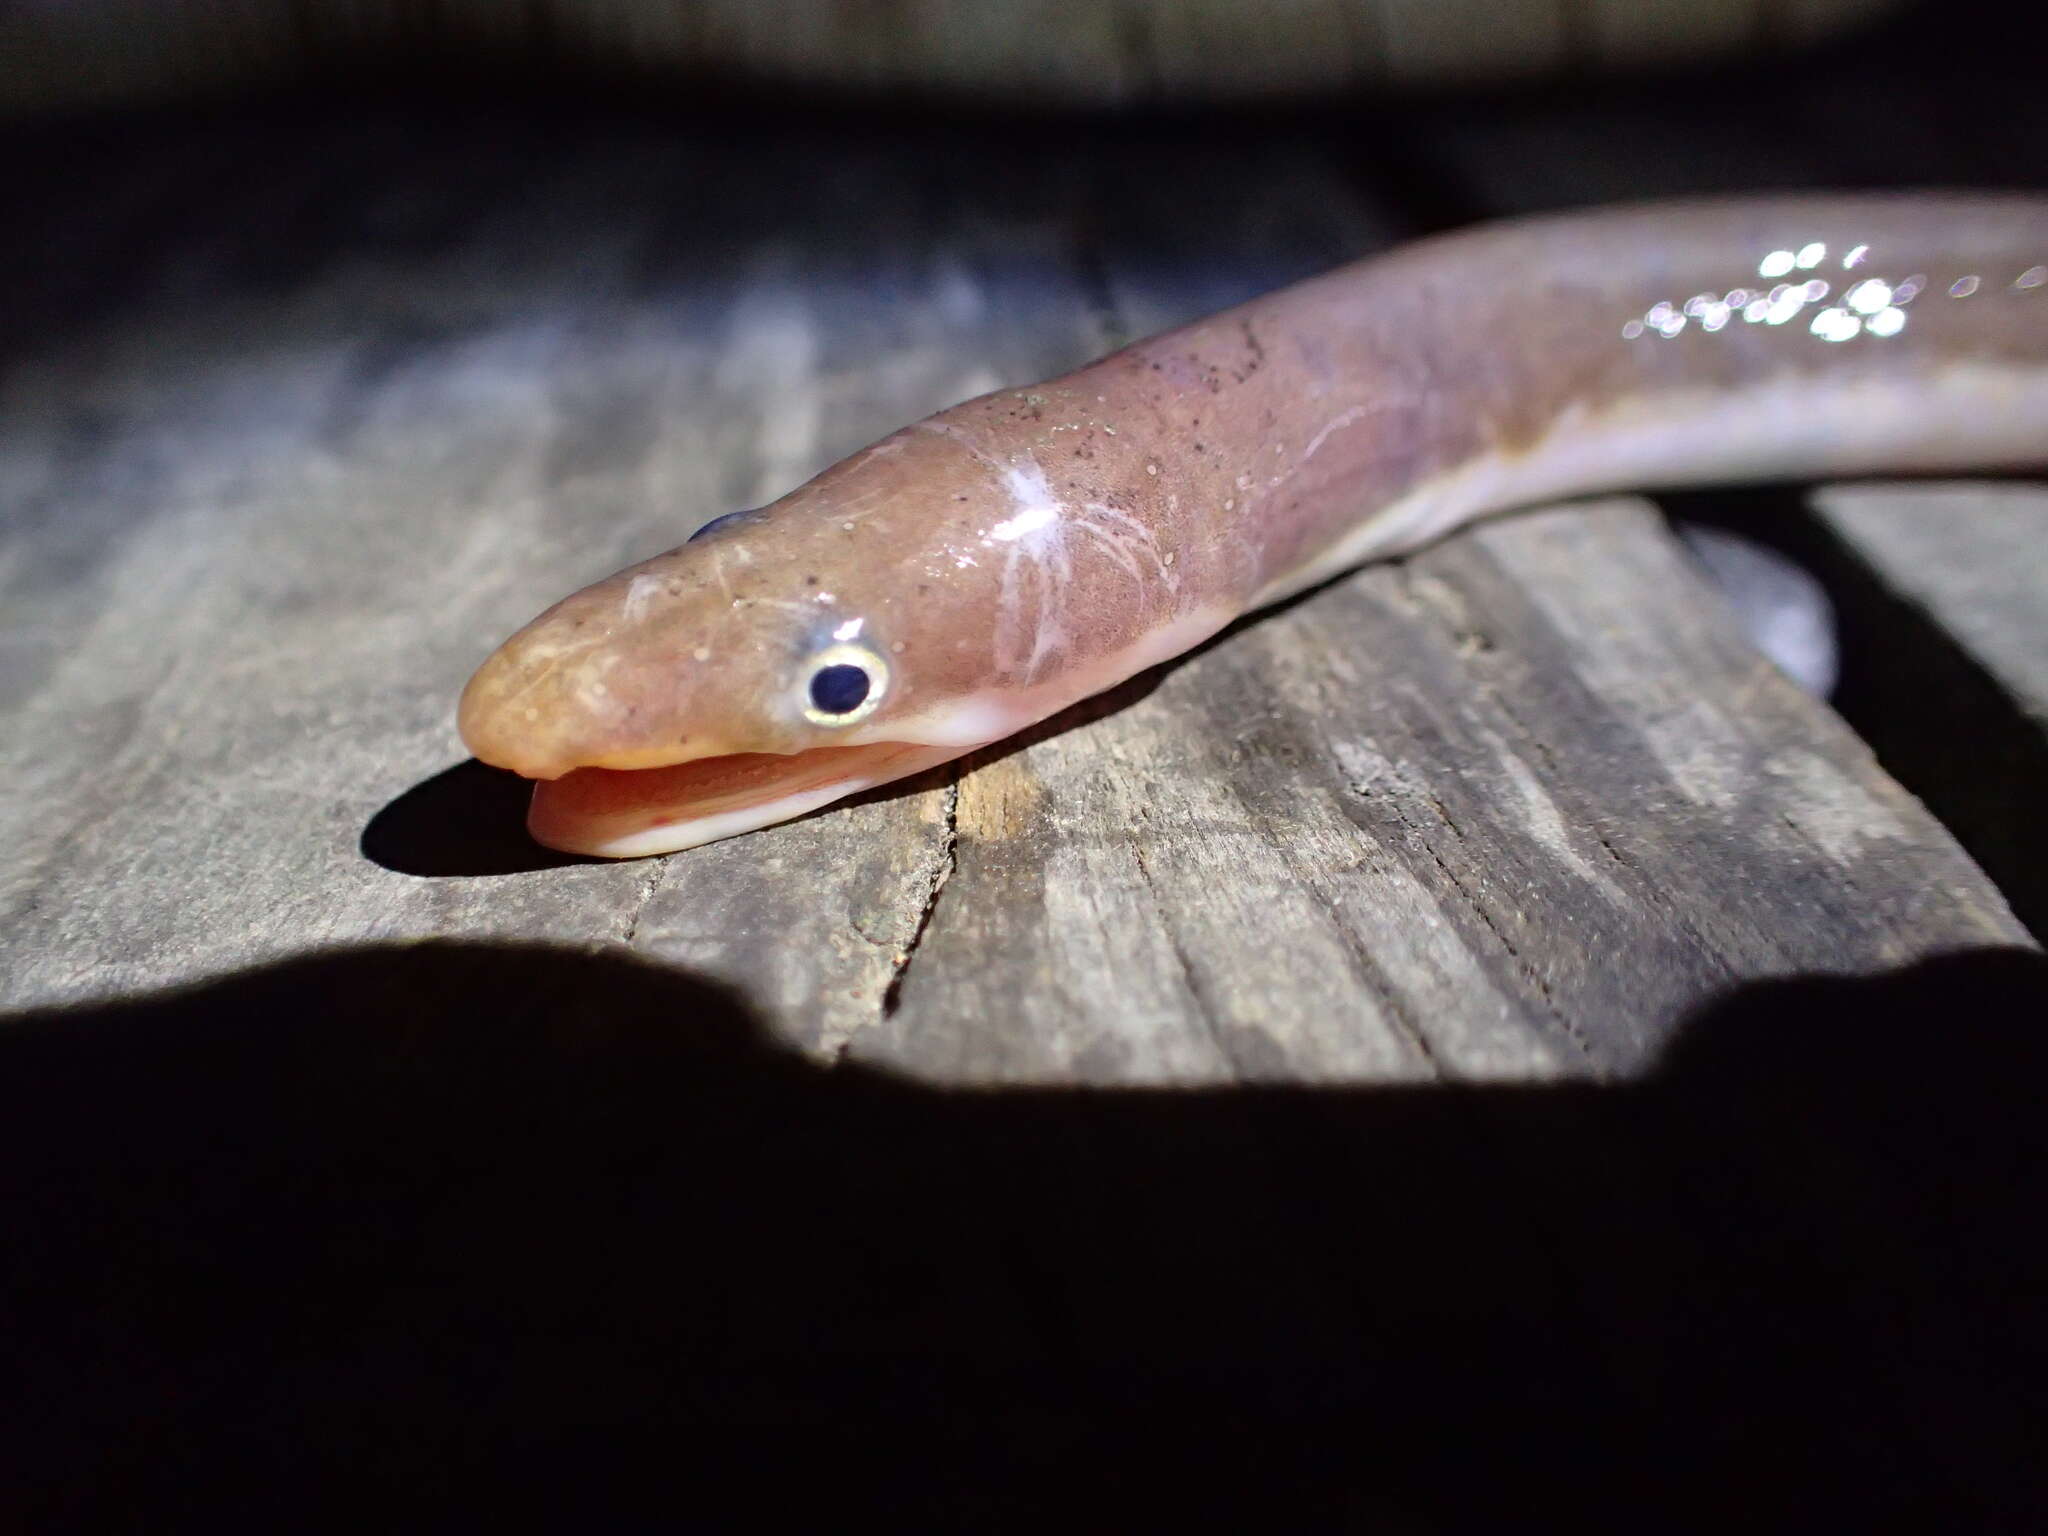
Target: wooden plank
{"type": "Point", "coordinates": [1945, 623]}
{"type": "Point", "coordinates": [1157, 953]}
{"type": "Point", "coordinates": [1938, 590]}
{"type": "Point", "coordinates": [560, 375]}
{"type": "Point", "coordinates": [1507, 812]}
{"type": "Point", "coordinates": [1967, 555]}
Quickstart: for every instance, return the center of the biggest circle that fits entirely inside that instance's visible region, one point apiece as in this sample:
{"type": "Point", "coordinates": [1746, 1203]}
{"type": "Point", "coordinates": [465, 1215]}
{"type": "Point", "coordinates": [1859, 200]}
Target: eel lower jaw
{"type": "Point", "coordinates": [628, 813]}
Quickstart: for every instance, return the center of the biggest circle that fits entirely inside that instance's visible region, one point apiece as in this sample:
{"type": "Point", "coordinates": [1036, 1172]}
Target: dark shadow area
{"type": "Point", "coordinates": [465, 820]}
{"type": "Point", "coordinates": [526, 56]}
{"type": "Point", "coordinates": [1939, 723]}
{"type": "Point", "coordinates": [78, 230]}
{"type": "Point", "coordinates": [1944, 76]}
{"type": "Point", "coordinates": [440, 1227]}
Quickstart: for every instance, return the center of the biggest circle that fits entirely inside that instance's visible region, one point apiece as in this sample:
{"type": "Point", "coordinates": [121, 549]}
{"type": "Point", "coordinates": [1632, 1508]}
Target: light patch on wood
{"type": "Point", "coordinates": [1827, 806]}
{"type": "Point", "coordinates": [1542, 819]}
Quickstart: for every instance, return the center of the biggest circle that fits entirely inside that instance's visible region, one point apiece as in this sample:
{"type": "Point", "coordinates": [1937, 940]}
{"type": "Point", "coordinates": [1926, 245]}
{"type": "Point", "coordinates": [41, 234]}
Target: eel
{"type": "Point", "coordinates": [974, 573]}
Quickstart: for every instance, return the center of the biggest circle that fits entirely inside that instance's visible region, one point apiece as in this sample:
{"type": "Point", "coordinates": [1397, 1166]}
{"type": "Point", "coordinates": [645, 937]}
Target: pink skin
{"type": "Point", "coordinates": [1018, 552]}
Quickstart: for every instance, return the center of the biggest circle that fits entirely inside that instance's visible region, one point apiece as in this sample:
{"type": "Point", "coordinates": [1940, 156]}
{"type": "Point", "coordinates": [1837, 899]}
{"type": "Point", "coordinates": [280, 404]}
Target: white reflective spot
{"type": "Point", "coordinates": [1855, 256]}
{"type": "Point", "coordinates": [1962, 287]}
{"type": "Point", "coordinates": [1886, 322]}
{"type": "Point", "coordinates": [1697, 304]}
{"type": "Point", "coordinates": [1836, 324]}
{"type": "Point", "coordinates": [1755, 310]}
{"type": "Point", "coordinates": [1631, 330]}
{"type": "Point", "coordinates": [1658, 313]}
{"type": "Point", "coordinates": [1737, 297]}
{"type": "Point", "coordinates": [640, 592]}
{"type": "Point", "coordinates": [2033, 277]}
{"type": "Point", "coordinates": [1814, 291]}
{"type": "Point", "coordinates": [1777, 264]}
{"type": "Point", "coordinates": [1671, 327]}
{"type": "Point", "coordinates": [1904, 293]}
{"type": "Point", "coordinates": [1714, 316]}
{"type": "Point", "coordinates": [1030, 519]}
{"type": "Point", "coordinates": [848, 630]}
{"type": "Point", "coordinates": [1786, 307]}
{"type": "Point", "coordinates": [1869, 296]}
{"type": "Point", "coordinates": [1032, 497]}
{"type": "Point", "coordinates": [1810, 255]}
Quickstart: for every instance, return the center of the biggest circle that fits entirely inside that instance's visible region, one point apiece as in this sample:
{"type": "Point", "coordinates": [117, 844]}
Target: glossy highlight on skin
{"type": "Point", "coordinates": [978, 571]}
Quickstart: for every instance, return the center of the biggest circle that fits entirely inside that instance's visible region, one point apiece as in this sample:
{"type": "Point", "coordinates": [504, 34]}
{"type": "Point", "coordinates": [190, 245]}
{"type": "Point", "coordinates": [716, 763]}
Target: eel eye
{"type": "Point", "coordinates": [839, 689]}
{"type": "Point", "coordinates": [846, 683]}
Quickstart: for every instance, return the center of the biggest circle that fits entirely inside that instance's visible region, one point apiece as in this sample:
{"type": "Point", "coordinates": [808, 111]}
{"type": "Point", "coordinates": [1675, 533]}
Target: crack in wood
{"type": "Point", "coordinates": [648, 886]}
{"type": "Point", "coordinates": [1480, 910]}
{"type": "Point", "coordinates": [1375, 980]}
{"type": "Point", "coordinates": [942, 871]}
{"type": "Point", "coordinates": [1196, 993]}
{"type": "Point", "coordinates": [1501, 702]}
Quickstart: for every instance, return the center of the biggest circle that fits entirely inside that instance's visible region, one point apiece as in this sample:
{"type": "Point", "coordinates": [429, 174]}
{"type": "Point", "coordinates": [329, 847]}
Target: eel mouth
{"type": "Point", "coordinates": [627, 813]}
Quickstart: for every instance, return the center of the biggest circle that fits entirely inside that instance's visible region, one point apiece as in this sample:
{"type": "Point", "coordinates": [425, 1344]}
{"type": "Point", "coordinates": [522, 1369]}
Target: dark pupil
{"type": "Point", "coordinates": [839, 690]}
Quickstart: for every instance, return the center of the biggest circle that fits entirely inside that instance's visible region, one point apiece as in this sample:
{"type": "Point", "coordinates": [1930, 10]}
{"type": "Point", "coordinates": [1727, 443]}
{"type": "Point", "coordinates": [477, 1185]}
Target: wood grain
{"type": "Point", "coordinates": [1043, 51]}
{"type": "Point", "coordinates": [1941, 594]}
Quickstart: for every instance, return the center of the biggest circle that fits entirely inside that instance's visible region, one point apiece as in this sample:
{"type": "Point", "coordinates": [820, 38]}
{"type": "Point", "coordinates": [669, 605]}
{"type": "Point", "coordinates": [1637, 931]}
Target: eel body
{"type": "Point", "coordinates": [972, 574]}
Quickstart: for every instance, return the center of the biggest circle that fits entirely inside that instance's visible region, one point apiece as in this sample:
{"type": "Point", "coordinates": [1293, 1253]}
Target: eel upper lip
{"type": "Point", "coordinates": [537, 762]}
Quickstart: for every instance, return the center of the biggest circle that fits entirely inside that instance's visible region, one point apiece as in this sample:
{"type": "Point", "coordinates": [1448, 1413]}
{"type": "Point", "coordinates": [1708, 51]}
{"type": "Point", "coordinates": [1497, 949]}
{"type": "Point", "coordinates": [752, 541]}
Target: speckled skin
{"type": "Point", "coordinates": [1033, 546]}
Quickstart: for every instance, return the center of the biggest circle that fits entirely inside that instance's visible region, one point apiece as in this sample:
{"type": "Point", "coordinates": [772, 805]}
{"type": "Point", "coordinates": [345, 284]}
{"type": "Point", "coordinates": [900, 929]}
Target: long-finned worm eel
{"type": "Point", "coordinates": [975, 572]}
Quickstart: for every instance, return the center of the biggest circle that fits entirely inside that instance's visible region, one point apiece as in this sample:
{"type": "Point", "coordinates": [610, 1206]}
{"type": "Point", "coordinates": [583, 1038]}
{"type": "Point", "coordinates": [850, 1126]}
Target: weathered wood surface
{"type": "Point", "coordinates": [1939, 593]}
{"type": "Point", "coordinates": [1941, 589]}
{"type": "Point", "coordinates": [1024, 50]}
{"type": "Point", "coordinates": [1507, 811]}
{"type": "Point", "coordinates": [1970, 558]}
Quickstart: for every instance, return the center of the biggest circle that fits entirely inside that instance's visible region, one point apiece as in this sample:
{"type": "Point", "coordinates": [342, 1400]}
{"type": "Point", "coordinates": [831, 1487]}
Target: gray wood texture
{"type": "Point", "coordinates": [1046, 51]}
{"type": "Point", "coordinates": [1952, 574]}
{"type": "Point", "coordinates": [1510, 810]}
{"type": "Point", "coordinates": [1969, 557]}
